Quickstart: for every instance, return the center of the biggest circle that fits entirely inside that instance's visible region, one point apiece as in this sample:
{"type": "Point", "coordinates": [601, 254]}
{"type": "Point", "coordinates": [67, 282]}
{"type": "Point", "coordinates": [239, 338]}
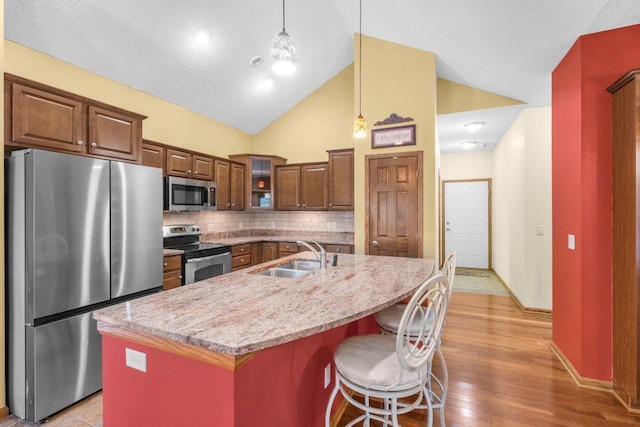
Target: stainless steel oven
{"type": "Point", "coordinates": [200, 261]}
{"type": "Point", "coordinates": [190, 195]}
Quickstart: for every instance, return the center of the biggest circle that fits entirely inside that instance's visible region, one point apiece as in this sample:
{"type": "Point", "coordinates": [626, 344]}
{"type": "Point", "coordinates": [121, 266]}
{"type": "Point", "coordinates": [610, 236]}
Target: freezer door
{"type": "Point", "coordinates": [136, 228]}
{"type": "Point", "coordinates": [66, 208]}
{"type": "Point", "coordinates": [64, 364]}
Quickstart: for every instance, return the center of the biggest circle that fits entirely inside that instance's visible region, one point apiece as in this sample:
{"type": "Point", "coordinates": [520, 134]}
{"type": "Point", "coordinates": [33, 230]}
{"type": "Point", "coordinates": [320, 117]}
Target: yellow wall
{"type": "Point", "coordinates": [455, 98]}
{"type": "Point", "coordinates": [320, 122]}
{"type": "Point", "coordinates": [167, 123]}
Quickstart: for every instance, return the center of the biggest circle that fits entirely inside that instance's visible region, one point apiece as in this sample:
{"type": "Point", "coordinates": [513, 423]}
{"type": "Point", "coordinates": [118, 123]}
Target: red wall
{"type": "Point", "coordinates": [581, 169]}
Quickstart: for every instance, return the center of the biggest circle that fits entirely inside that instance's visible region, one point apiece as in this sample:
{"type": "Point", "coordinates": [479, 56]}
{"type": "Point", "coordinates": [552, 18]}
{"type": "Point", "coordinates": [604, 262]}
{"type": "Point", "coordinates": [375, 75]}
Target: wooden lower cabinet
{"type": "Point", "coordinates": [240, 256]}
{"type": "Point", "coordinates": [339, 249]}
{"type": "Point", "coordinates": [269, 251]}
{"type": "Point", "coordinates": [287, 248]}
{"type": "Point", "coordinates": [172, 272]}
{"type": "Point", "coordinates": [256, 253]}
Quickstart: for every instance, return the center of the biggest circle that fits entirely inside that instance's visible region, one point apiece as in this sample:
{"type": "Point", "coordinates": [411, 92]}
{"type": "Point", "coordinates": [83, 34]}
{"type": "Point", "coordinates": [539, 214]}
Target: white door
{"type": "Point", "coordinates": [466, 226]}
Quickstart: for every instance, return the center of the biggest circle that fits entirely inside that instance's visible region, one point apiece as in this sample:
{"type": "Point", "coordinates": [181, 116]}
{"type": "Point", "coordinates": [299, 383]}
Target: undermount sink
{"type": "Point", "coordinates": [283, 272]}
{"type": "Point", "coordinates": [301, 264]}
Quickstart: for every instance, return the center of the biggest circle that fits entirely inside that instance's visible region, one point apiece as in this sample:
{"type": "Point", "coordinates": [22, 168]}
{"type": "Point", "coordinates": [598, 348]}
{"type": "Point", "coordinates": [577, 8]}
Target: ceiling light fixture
{"type": "Point", "coordinates": [467, 145]}
{"type": "Point", "coordinates": [360, 125]}
{"type": "Point", "coordinates": [474, 126]}
{"type": "Point", "coordinates": [201, 38]}
{"type": "Point", "coordinates": [284, 52]}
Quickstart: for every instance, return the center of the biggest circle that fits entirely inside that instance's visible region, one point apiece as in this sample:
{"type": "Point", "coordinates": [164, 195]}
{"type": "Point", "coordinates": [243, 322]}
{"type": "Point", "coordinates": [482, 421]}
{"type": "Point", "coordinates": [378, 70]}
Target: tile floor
{"type": "Point", "coordinates": [85, 413]}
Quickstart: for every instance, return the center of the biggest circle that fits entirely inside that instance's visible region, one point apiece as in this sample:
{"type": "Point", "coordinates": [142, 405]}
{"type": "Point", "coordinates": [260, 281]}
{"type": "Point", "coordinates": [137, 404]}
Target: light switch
{"type": "Point", "coordinates": [571, 242]}
{"type": "Point", "coordinates": [540, 230]}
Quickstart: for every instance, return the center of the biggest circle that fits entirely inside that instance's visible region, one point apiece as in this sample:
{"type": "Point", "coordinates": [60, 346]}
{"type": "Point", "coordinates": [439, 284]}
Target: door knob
{"type": "Point", "coordinates": [375, 243]}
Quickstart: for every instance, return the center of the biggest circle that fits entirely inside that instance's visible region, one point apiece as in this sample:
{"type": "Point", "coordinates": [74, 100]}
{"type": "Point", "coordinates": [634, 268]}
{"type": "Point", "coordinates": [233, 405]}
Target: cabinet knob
{"type": "Point", "coordinates": [298, 204]}
{"type": "Point", "coordinates": [189, 171]}
{"type": "Point", "coordinates": [93, 144]}
{"type": "Point", "coordinates": [330, 204]}
{"type": "Point", "coordinates": [180, 277]}
{"type": "Point", "coordinates": [338, 250]}
{"type": "Point", "coordinates": [165, 264]}
{"type": "Point", "coordinates": [79, 142]}
{"type": "Point", "coordinates": [233, 204]}
{"type": "Point", "coordinates": [304, 205]}
{"type": "Point", "coordinates": [242, 250]}
{"type": "Point", "coordinates": [228, 204]}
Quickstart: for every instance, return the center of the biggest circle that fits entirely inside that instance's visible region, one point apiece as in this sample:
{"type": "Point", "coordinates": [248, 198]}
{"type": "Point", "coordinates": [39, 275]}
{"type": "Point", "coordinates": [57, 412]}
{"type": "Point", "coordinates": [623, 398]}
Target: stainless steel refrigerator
{"type": "Point", "coordinates": [82, 233]}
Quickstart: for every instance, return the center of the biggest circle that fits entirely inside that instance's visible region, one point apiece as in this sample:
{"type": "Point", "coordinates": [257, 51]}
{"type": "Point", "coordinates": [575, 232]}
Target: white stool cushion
{"type": "Point", "coordinates": [389, 319]}
{"type": "Point", "coordinates": [371, 361]}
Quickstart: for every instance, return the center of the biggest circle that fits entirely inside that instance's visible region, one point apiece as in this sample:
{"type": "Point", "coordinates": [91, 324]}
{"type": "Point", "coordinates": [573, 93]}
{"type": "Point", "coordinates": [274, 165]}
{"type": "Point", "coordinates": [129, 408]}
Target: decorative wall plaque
{"type": "Point", "coordinates": [393, 119]}
{"type": "Point", "coordinates": [393, 137]}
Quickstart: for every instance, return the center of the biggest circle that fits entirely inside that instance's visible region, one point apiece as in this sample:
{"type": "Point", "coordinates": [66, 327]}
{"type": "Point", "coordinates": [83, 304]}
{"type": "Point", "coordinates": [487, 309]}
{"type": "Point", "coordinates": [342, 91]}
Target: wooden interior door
{"type": "Point", "coordinates": [394, 205]}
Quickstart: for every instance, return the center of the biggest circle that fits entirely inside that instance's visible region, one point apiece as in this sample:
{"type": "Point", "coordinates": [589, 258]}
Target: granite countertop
{"type": "Point", "coordinates": [331, 238]}
{"type": "Point", "coordinates": [239, 313]}
{"type": "Point", "coordinates": [170, 252]}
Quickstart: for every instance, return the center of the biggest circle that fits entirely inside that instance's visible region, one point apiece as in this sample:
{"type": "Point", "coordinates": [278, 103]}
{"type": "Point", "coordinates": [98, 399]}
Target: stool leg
{"type": "Point", "coordinates": [445, 385]}
{"type": "Point", "coordinates": [334, 393]}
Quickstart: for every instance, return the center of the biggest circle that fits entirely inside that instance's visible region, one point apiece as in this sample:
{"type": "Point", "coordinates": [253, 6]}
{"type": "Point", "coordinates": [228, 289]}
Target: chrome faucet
{"type": "Point", "coordinates": [322, 255]}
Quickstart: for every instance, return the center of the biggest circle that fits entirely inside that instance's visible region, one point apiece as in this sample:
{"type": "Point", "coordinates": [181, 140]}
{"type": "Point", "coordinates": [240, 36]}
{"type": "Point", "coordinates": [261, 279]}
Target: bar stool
{"type": "Point", "coordinates": [395, 367]}
{"type": "Point", "coordinates": [389, 320]}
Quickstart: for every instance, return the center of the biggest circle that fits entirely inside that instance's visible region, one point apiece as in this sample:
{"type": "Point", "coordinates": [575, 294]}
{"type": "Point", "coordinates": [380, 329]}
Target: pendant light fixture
{"type": "Point", "coordinates": [283, 52]}
{"type": "Point", "coordinates": [360, 125]}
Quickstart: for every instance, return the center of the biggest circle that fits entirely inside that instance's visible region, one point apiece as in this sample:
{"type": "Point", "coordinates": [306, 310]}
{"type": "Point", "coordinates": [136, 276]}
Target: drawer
{"type": "Point", "coordinates": [240, 261]}
{"type": "Point", "coordinates": [339, 249]}
{"type": "Point", "coordinates": [173, 262]}
{"type": "Point", "coordinates": [171, 280]}
{"type": "Point", "coordinates": [287, 247]}
{"type": "Point", "coordinates": [241, 249]}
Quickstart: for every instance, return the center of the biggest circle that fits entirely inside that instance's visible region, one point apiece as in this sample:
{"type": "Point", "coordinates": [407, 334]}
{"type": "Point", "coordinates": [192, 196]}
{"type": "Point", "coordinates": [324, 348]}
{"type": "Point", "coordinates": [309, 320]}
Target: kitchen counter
{"type": "Point", "coordinates": [171, 252]}
{"type": "Point", "coordinates": [324, 237]}
{"type": "Point", "coordinates": [258, 312]}
{"type": "Point", "coordinates": [240, 347]}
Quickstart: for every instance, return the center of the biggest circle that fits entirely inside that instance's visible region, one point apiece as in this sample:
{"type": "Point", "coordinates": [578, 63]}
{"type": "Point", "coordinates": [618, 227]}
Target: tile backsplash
{"type": "Point", "coordinates": [219, 222]}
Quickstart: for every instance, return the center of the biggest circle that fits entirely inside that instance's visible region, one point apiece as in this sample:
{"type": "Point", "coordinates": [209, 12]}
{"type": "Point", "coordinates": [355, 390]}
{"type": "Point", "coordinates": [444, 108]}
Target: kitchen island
{"type": "Point", "coordinates": [243, 349]}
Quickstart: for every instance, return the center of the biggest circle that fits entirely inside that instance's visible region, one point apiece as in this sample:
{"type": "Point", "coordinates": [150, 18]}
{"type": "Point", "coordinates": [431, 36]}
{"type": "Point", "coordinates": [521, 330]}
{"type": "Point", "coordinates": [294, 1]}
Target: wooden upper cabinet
{"type": "Point", "coordinates": [341, 180]}
{"type": "Point", "coordinates": [203, 168]}
{"type": "Point", "coordinates": [314, 186]}
{"type": "Point", "coordinates": [40, 116]}
{"type": "Point", "coordinates": [152, 155]}
{"type": "Point", "coordinates": [236, 187]}
{"type": "Point", "coordinates": [114, 134]}
{"type": "Point", "coordinates": [259, 181]}
{"type": "Point", "coordinates": [45, 119]}
{"type": "Point", "coordinates": [223, 181]}
{"type": "Point", "coordinates": [288, 188]}
{"type": "Point", "coordinates": [178, 163]}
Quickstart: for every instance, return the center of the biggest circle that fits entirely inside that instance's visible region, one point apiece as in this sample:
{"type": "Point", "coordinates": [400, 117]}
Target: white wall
{"type": "Point", "coordinates": [521, 201]}
{"type": "Point", "coordinates": [467, 165]}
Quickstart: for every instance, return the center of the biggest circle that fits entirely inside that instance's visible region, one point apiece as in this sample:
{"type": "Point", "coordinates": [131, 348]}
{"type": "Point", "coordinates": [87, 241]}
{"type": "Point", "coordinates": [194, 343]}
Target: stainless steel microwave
{"type": "Point", "coordinates": [189, 195]}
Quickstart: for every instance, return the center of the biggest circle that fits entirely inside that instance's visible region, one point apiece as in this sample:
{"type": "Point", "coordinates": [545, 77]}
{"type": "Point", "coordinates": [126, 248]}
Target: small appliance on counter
{"type": "Point", "coordinates": [82, 234]}
{"type": "Point", "coordinates": [200, 260]}
{"type": "Point", "coordinates": [189, 195]}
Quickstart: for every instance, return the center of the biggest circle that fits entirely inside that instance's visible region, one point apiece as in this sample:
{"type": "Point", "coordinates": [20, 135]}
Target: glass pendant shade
{"type": "Point", "coordinates": [360, 127]}
{"type": "Point", "coordinates": [284, 54]}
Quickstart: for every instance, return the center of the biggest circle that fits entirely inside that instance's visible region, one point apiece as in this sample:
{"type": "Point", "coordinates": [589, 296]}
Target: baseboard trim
{"type": "Point", "coordinates": [337, 416]}
{"type": "Point", "coordinates": [4, 412]}
{"type": "Point", "coordinates": [522, 307]}
{"type": "Point", "coordinates": [579, 379]}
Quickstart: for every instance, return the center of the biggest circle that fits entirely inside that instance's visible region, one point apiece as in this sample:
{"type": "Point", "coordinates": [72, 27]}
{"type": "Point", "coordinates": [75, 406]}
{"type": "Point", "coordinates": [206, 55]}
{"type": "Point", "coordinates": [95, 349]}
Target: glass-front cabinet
{"type": "Point", "coordinates": [259, 173]}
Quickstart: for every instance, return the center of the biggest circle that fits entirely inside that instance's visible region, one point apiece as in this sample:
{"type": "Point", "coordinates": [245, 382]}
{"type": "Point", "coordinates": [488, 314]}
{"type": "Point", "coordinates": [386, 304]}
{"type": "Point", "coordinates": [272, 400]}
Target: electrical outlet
{"type": "Point", "coordinates": [571, 242]}
{"type": "Point", "coordinates": [327, 375]}
{"type": "Point", "coordinates": [136, 359]}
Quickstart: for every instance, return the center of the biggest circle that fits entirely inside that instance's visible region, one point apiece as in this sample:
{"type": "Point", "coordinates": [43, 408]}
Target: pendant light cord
{"type": "Point", "coordinates": [360, 108]}
{"type": "Point", "coordinates": [283, 16]}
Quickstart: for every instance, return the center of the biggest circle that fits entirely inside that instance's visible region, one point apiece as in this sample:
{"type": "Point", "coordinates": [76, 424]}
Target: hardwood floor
{"type": "Point", "coordinates": [502, 372]}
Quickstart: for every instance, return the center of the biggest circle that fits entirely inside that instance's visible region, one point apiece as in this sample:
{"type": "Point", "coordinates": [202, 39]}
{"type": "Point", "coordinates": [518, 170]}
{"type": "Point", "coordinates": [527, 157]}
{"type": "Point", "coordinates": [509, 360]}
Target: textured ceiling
{"type": "Point", "coordinates": [508, 47]}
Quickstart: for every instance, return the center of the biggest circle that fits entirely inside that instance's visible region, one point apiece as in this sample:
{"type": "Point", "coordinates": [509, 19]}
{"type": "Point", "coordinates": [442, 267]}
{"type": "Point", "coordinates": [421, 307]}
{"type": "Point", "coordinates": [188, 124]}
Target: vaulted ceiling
{"type": "Point", "coordinates": [506, 47]}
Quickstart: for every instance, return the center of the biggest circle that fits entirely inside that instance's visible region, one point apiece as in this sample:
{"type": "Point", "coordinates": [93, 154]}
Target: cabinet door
{"type": "Point", "coordinates": [172, 272]}
{"type": "Point", "coordinates": [236, 191]}
{"type": "Point", "coordinates": [152, 155]}
{"type": "Point", "coordinates": [256, 253]}
{"type": "Point", "coordinates": [114, 134]}
{"type": "Point", "coordinates": [288, 188]}
{"type": "Point", "coordinates": [222, 180]}
{"type": "Point", "coordinates": [202, 167]}
{"type": "Point", "coordinates": [269, 251]}
{"type": "Point", "coordinates": [313, 184]}
{"type": "Point", "coordinates": [341, 180]}
{"type": "Point", "coordinates": [178, 163]}
{"type": "Point", "coordinates": [44, 119]}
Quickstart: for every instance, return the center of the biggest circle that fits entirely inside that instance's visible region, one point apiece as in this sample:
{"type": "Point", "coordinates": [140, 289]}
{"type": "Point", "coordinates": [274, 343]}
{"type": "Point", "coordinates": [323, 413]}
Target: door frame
{"type": "Point", "coordinates": [489, 217]}
{"type": "Point", "coordinates": [369, 157]}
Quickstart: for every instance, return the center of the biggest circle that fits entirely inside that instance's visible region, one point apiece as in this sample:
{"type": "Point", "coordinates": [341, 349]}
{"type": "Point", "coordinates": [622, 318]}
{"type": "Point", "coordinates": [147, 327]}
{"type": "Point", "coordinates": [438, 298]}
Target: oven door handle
{"type": "Point", "coordinates": [207, 258]}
